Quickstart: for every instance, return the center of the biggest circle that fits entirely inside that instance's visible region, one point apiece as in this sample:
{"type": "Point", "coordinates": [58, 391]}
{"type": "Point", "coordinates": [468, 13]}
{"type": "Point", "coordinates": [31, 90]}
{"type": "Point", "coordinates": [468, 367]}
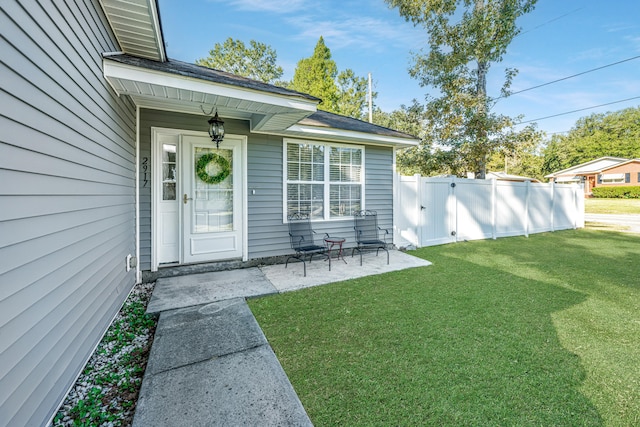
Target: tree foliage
{"type": "Point", "coordinates": [351, 99]}
{"type": "Point", "coordinates": [465, 38]}
{"type": "Point", "coordinates": [522, 158]}
{"type": "Point", "coordinates": [316, 75]}
{"type": "Point", "coordinates": [341, 93]}
{"type": "Point", "coordinates": [410, 119]}
{"type": "Point", "coordinates": [258, 61]}
{"type": "Point", "coordinates": [615, 134]}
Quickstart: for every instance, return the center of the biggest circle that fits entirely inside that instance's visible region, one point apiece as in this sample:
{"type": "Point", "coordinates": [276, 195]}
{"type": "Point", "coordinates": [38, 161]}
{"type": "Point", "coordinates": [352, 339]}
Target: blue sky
{"type": "Point", "coordinates": [560, 38]}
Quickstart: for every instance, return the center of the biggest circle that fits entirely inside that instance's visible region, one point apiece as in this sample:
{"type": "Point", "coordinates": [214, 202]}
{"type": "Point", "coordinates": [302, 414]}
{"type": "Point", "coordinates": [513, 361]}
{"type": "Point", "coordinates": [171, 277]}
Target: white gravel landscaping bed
{"type": "Point", "coordinates": [105, 394]}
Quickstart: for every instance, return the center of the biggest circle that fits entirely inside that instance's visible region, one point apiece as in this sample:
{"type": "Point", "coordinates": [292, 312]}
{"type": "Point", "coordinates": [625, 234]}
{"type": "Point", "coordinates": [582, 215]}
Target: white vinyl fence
{"type": "Point", "coordinates": [433, 211]}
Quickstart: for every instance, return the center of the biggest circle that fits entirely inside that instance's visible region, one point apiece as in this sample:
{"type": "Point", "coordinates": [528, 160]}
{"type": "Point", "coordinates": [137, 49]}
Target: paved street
{"type": "Point", "coordinates": [631, 221]}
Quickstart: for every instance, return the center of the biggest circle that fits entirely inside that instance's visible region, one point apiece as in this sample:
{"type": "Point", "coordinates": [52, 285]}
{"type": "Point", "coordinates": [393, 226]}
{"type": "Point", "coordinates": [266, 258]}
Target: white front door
{"type": "Point", "coordinates": [211, 199]}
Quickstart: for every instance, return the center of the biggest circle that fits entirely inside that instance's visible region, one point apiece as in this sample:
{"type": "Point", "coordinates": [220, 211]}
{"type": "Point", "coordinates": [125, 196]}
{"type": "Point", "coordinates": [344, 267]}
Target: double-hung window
{"type": "Point", "coordinates": [612, 178]}
{"type": "Point", "coordinates": [323, 180]}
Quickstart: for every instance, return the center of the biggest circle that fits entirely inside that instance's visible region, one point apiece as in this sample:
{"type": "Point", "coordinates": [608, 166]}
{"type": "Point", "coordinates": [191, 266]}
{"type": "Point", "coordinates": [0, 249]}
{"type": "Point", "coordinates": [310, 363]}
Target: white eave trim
{"type": "Point", "coordinates": [342, 135]}
{"type": "Point", "coordinates": [155, 20]}
{"type": "Point", "coordinates": [115, 70]}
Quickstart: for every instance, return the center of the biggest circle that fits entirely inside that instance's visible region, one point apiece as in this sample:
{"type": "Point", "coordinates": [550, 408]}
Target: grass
{"type": "Point", "coordinates": [518, 331]}
{"type": "Point", "coordinates": [612, 206]}
{"type": "Point", "coordinates": [605, 226]}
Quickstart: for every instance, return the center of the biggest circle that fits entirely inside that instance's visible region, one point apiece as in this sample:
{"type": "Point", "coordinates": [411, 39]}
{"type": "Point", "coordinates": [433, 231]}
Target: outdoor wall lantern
{"type": "Point", "coordinates": [216, 127]}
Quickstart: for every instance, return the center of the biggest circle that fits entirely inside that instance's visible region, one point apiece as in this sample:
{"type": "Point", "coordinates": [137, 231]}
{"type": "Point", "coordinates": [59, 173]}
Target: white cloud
{"type": "Point", "coordinates": [362, 32]}
{"type": "Point", "coordinates": [276, 6]}
{"type": "Point", "coordinates": [589, 54]}
{"type": "Point", "coordinates": [618, 27]}
{"type": "Point", "coordinates": [635, 42]}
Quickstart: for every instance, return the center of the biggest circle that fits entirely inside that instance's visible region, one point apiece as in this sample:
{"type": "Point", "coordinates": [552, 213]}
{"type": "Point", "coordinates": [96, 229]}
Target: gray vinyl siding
{"type": "Point", "coordinates": [67, 200]}
{"type": "Point", "coordinates": [267, 233]}
{"type": "Point", "coordinates": [168, 120]}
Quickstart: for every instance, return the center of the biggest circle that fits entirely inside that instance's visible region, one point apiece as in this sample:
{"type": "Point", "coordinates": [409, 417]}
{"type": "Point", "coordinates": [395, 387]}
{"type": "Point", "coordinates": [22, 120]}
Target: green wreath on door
{"type": "Point", "coordinates": [203, 162]}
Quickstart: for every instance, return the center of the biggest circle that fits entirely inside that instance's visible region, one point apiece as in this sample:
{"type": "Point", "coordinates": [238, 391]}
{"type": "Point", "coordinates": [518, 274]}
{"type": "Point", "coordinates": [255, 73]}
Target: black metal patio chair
{"type": "Point", "coordinates": [368, 233]}
{"type": "Point", "coordinates": [303, 241]}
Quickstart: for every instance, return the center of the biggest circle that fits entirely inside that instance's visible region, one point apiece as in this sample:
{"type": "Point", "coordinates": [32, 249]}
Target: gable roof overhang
{"type": "Point", "coordinates": [188, 88]}
{"type": "Point", "coordinates": [326, 126]}
{"type": "Point", "coordinates": [590, 168]}
{"type": "Point", "coordinates": [621, 164]}
{"type": "Point", "coordinates": [136, 26]}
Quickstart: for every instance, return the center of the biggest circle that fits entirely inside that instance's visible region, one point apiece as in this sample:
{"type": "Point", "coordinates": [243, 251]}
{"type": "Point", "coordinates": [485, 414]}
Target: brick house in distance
{"type": "Point", "coordinates": [601, 172]}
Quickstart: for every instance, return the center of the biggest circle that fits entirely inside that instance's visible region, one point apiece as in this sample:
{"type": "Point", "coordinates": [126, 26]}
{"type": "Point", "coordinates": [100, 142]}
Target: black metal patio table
{"type": "Point", "coordinates": [335, 241]}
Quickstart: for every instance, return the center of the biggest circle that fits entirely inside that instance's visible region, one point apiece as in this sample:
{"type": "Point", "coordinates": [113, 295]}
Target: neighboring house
{"type": "Point", "coordinates": [602, 172]}
{"type": "Point", "coordinates": [502, 176]}
{"type": "Point", "coordinates": [98, 159]}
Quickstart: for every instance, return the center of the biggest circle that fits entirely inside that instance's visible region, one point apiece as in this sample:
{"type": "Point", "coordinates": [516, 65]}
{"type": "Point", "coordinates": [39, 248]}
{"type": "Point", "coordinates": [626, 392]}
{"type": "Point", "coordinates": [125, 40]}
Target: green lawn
{"type": "Point", "coordinates": [612, 206]}
{"type": "Point", "coordinates": [537, 331]}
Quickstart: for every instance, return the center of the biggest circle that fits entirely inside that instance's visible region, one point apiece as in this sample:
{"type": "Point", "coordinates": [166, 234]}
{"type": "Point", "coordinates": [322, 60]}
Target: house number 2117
{"type": "Point", "coordinates": [145, 171]}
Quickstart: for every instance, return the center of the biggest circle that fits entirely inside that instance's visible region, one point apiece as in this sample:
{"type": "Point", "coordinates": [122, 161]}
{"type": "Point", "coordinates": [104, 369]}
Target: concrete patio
{"type": "Point", "coordinates": [210, 363]}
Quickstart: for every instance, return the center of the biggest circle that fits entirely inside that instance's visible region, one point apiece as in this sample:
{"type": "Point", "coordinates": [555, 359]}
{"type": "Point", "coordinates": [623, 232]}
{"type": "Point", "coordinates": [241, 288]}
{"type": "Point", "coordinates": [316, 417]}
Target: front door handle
{"type": "Point", "coordinates": [185, 198]}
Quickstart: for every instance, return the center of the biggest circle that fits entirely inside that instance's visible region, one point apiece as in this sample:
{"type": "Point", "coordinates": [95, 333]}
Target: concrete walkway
{"type": "Point", "coordinates": [210, 363]}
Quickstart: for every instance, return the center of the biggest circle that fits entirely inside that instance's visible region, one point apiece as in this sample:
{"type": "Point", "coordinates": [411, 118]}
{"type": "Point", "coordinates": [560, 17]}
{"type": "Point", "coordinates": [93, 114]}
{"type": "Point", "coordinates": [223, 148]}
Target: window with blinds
{"type": "Point", "coordinates": [323, 180]}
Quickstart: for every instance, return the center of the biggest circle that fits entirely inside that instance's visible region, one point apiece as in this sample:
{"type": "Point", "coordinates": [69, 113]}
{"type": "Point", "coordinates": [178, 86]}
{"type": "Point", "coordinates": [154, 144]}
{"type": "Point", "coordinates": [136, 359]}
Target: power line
{"type": "Point", "coordinates": [581, 109]}
{"type": "Point", "coordinates": [550, 21]}
{"type": "Point", "coordinates": [574, 75]}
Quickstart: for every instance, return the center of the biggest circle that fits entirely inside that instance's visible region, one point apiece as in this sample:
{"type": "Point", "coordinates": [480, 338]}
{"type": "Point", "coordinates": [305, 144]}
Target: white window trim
{"type": "Point", "coordinates": [327, 182]}
{"type": "Point", "coordinates": [612, 178]}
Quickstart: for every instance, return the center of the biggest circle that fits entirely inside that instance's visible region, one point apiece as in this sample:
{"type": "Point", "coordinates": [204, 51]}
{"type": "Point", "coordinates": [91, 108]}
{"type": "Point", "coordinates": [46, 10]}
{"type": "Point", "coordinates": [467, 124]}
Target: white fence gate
{"type": "Point", "coordinates": [433, 211]}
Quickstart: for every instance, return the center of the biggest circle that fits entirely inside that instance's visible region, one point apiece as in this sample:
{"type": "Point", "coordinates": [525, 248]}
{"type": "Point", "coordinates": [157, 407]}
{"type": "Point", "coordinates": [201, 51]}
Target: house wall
{"type": "Point", "coordinates": [267, 233]}
{"type": "Point", "coordinates": [632, 168]}
{"type": "Point", "coordinates": [67, 200]}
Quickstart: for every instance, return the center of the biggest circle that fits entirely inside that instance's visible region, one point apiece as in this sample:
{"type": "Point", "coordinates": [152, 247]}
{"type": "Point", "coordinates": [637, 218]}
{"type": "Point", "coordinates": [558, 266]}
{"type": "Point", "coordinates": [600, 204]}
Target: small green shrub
{"type": "Point", "coordinates": [621, 192]}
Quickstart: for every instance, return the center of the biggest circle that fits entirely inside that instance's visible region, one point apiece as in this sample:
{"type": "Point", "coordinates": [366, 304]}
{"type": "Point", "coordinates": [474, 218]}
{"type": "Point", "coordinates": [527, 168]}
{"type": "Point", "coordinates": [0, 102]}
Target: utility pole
{"type": "Point", "coordinates": [370, 101]}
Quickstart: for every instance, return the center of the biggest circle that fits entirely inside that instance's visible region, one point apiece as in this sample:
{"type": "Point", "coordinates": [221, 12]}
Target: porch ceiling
{"type": "Point", "coordinates": [174, 91]}
{"type": "Point", "coordinates": [136, 25]}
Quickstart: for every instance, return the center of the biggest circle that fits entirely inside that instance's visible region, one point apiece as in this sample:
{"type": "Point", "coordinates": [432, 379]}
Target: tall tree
{"type": "Point", "coordinates": [341, 93]}
{"type": "Point", "coordinates": [465, 38]}
{"type": "Point", "coordinates": [316, 76]}
{"type": "Point", "coordinates": [614, 134]}
{"type": "Point", "coordinates": [258, 61]}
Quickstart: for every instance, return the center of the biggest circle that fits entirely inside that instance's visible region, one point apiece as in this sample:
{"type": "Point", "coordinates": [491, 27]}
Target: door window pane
{"type": "Point", "coordinates": [213, 201]}
{"type": "Point", "coordinates": [168, 172]}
